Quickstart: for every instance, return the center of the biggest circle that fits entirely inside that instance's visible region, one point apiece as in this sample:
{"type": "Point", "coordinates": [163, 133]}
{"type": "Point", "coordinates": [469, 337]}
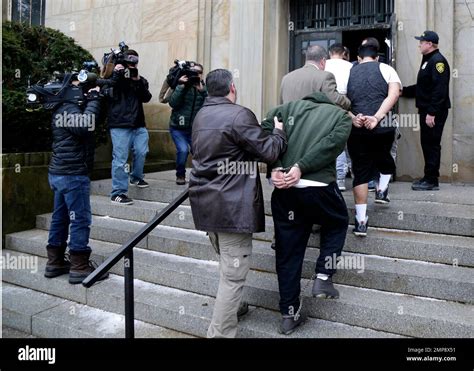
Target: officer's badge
{"type": "Point", "coordinates": [440, 67]}
{"type": "Point", "coordinates": [424, 65]}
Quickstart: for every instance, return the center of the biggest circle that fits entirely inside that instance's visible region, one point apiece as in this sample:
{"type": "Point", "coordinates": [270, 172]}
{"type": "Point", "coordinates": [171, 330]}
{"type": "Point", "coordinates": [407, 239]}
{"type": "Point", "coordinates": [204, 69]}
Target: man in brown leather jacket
{"type": "Point", "coordinates": [225, 190]}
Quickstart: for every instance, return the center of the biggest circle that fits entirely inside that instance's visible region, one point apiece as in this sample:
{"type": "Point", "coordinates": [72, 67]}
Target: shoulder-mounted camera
{"type": "Point", "coordinates": [119, 56]}
{"type": "Point", "coordinates": [49, 94]}
{"type": "Point", "coordinates": [183, 68]}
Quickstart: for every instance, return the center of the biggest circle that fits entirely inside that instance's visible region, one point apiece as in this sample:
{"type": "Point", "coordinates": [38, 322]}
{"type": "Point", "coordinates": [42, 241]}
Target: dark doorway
{"type": "Point", "coordinates": [350, 38]}
{"type": "Point", "coordinates": [353, 39]}
{"type": "Point", "coordinates": [324, 22]}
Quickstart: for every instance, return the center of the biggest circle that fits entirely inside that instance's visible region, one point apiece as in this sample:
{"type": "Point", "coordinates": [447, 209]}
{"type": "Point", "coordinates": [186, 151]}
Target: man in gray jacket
{"type": "Point", "coordinates": [225, 190]}
{"type": "Point", "coordinates": [312, 78]}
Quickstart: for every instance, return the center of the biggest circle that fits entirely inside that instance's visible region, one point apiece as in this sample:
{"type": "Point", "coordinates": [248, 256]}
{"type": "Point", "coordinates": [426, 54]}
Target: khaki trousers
{"type": "Point", "coordinates": [234, 251]}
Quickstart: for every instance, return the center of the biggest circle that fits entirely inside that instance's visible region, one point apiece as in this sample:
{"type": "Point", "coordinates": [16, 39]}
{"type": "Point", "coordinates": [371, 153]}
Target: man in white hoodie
{"type": "Point", "coordinates": [341, 70]}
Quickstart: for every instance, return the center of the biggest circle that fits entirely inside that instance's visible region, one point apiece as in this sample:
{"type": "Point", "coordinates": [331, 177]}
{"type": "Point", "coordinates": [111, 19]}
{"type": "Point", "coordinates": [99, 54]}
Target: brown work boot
{"type": "Point", "coordinates": [57, 264]}
{"type": "Point", "coordinates": [81, 267]}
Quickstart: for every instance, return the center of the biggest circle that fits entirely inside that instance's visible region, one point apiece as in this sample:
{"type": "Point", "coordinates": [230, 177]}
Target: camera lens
{"type": "Point", "coordinates": [32, 97]}
{"type": "Point", "coordinates": [82, 77]}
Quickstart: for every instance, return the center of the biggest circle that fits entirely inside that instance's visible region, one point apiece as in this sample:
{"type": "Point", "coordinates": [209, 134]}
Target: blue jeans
{"type": "Point", "coordinates": [72, 209]}
{"type": "Point", "coordinates": [343, 163]}
{"type": "Point", "coordinates": [182, 141]}
{"type": "Point", "coordinates": [124, 140]}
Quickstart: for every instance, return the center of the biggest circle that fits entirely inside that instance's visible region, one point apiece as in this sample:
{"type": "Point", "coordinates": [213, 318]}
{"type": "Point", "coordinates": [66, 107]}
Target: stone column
{"type": "Point", "coordinates": [246, 51]}
{"type": "Point", "coordinates": [414, 17]}
{"type": "Point", "coordinates": [204, 39]}
{"type": "Point", "coordinates": [276, 50]}
{"type": "Point", "coordinates": [463, 92]}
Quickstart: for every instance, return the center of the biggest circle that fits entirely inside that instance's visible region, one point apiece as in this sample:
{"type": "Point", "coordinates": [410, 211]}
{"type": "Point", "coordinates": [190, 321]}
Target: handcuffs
{"type": "Point", "coordinates": [285, 169]}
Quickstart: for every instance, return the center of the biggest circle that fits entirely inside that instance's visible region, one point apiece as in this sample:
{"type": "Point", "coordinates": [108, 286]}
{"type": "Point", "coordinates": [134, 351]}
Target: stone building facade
{"type": "Point", "coordinates": [256, 39]}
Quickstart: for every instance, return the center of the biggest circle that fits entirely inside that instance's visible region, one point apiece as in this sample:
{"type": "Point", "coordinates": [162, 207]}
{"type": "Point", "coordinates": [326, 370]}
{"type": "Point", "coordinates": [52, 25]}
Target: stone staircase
{"type": "Point", "coordinates": [417, 278]}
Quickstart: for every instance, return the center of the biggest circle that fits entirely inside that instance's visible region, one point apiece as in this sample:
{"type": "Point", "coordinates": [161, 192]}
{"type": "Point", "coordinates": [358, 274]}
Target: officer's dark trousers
{"type": "Point", "coordinates": [431, 144]}
{"type": "Point", "coordinates": [294, 211]}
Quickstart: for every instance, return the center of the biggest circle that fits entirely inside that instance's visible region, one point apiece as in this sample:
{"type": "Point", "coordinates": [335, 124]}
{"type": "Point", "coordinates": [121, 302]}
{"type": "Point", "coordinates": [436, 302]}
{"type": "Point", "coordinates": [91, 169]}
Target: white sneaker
{"type": "Point", "coordinates": [341, 184]}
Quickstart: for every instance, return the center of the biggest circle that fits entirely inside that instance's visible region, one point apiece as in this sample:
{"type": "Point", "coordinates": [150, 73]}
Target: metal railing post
{"type": "Point", "coordinates": [126, 252]}
{"type": "Point", "coordinates": [129, 296]}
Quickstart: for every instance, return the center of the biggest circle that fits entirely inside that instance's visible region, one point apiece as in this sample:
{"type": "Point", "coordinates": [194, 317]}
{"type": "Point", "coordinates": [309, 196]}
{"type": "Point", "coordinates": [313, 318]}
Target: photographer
{"type": "Point", "coordinates": [126, 121]}
{"type": "Point", "coordinates": [186, 100]}
{"type": "Point", "coordinates": [69, 169]}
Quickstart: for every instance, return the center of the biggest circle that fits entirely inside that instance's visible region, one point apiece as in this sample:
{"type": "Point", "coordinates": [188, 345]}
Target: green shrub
{"type": "Point", "coordinates": [33, 54]}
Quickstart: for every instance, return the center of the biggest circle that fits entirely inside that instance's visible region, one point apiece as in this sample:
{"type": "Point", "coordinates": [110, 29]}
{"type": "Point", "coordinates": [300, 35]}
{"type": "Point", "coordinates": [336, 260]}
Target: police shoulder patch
{"type": "Point", "coordinates": [440, 67]}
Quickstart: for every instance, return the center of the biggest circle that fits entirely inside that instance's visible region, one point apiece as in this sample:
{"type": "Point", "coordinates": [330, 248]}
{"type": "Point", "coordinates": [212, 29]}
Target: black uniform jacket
{"type": "Point", "coordinates": [432, 85]}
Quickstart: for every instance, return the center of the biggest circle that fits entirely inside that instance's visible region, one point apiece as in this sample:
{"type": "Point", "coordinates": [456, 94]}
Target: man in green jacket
{"type": "Point", "coordinates": [306, 193]}
{"type": "Point", "coordinates": [186, 100]}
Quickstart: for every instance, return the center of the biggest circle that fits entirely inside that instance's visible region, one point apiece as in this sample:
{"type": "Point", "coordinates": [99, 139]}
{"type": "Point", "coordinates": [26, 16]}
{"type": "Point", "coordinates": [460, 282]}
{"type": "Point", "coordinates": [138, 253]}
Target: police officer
{"type": "Point", "coordinates": [432, 100]}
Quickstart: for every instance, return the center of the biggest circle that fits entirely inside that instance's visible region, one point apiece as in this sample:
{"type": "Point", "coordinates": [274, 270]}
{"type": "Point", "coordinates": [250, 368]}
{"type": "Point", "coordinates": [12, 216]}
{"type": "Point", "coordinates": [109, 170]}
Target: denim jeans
{"type": "Point", "coordinates": [124, 140]}
{"type": "Point", "coordinates": [72, 209]}
{"type": "Point", "coordinates": [182, 141]}
{"type": "Point", "coordinates": [343, 163]}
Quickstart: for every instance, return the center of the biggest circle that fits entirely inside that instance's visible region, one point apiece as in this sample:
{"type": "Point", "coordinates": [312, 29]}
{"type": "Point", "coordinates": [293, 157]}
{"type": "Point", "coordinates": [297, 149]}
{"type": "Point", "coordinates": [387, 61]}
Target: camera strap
{"type": "Point", "coordinates": [66, 82]}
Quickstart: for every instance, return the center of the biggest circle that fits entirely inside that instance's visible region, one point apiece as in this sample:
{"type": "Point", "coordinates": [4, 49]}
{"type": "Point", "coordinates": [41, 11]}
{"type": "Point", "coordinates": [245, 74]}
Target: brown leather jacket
{"type": "Point", "coordinates": [224, 186]}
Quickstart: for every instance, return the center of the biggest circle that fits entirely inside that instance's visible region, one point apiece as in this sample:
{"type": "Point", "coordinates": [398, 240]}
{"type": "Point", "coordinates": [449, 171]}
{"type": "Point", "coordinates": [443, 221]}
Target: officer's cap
{"type": "Point", "coordinates": [428, 36]}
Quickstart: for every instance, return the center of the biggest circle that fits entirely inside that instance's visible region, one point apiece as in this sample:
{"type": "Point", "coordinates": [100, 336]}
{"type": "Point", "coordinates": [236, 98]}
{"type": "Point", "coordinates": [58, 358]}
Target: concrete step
{"type": "Point", "coordinates": [377, 310]}
{"type": "Point", "coordinates": [436, 248]}
{"type": "Point", "coordinates": [46, 316]}
{"type": "Point", "coordinates": [159, 190]}
{"type": "Point", "coordinates": [182, 311]}
{"type": "Point", "coordinates": [448, 193]}
{"type": "Point", "coordinates": [415, 213]}
{"type": "Point", "coordinates": [393, 275]}
{"type": "Point", "coordinates": [102, 170]}
{"type": "Point", "coordinates": [10, 333]}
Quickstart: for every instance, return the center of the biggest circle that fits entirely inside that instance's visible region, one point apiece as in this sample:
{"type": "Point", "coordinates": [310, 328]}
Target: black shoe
{"type": "Point", "coordinates": [360, 229]}
{"type": "Point", "coordinates": [140, 184]}
{"type": "Point", "coordinates": [372, 186]}
{"type": "Point", "coordinates": [180, 180]}
{"type": "Point", "coordinates": [289, 324]}
{"type": "Point", "coordinates": [382, 197]}
{"type": "Point", "coordinates": [416, 182]}
{"type": "Point", "coordinates": [243, 309]}
{"type": "Point", "coordinates": [425, 186]}
{"type": "Point", "coordinates": [324, 289]}
{"type": "Point", "coordinates": [122, 200]}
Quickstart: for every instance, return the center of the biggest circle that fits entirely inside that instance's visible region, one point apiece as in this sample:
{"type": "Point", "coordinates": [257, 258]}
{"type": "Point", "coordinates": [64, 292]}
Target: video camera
{"type": "Point", "coordinates": [61, 90]}
{"type": "Point", "coordinates": [182, 68]}
{"type": "Point", "coordinates": [119, 56]}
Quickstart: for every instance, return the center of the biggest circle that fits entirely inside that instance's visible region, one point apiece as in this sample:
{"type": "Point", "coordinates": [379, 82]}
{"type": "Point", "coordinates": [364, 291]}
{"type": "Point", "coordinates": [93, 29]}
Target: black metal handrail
{"type": "Point", "coordinates": [126, 251]}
